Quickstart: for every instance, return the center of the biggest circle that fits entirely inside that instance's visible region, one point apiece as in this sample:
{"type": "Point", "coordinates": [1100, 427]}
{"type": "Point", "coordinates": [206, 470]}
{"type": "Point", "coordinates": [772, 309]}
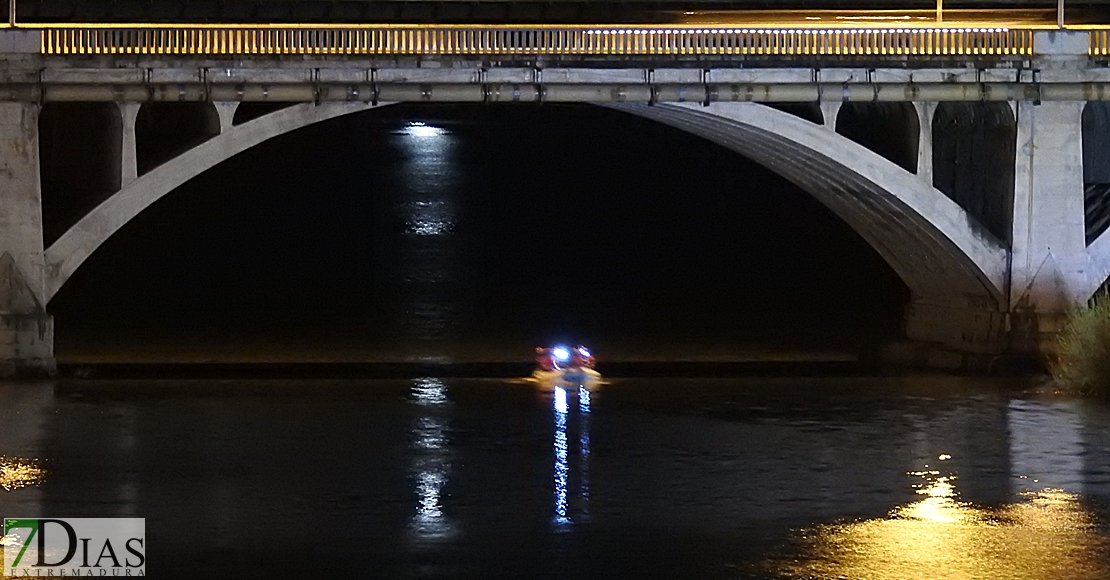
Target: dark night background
{"type": "Point", "coordinates": [543, 223]}
{"type": "Point", "coordinates": [478, 11]}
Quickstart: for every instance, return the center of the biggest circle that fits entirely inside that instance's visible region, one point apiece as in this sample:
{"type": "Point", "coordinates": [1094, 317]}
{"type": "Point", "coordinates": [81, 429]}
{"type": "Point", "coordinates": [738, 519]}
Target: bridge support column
{"type": "Point", "coordinates": [1049, 260]}
{"type": "Point", "coordinates": [968, 325]}
{"type": "Point", "coordinates": [829, 111]}
{"type": "Point", "coordinates": [925, 140]}
{"type": "Point", "coordinates": [226, 112]}
{"type": "Point", "coordinates": [26, 329]}
{"type": "Point", "coordinates": [129, 164]}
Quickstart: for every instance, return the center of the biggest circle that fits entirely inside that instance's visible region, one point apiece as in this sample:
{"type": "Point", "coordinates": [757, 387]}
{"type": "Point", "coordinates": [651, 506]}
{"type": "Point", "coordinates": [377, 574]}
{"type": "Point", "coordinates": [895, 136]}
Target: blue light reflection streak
{"type": "Point", "coordinates": [584, 449]}
{"type": "Point", "coordinates": [566, 498]}
{"type": "Point", "coordinates": [561, 467]}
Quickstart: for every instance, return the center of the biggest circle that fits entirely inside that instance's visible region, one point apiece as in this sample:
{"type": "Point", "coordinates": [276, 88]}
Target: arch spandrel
{"type": "Point", "coordinates": [929, 241]}
{"type": "Point", "coordinates": [65, 255]}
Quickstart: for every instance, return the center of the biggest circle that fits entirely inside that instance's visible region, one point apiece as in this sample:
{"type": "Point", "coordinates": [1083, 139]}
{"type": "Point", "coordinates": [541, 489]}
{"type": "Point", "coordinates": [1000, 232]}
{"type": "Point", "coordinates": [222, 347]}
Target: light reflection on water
{"type": "Point", "coordinates": [1046, 535]}
{"type": "Point", "coordinates": [17, 473]}
{"type": "Point", "coordinates": [564, 492]}
{"type": "Point", "coordinates": [658, 478]}
{"type": "Point", "coordinates": [428, 182]}
{"type": "Point", "coordinates": [584, 451]}
{"type": "Point", "coordinates": [562, 468]}
{"type": "Point", "coordinates": [431, 463]}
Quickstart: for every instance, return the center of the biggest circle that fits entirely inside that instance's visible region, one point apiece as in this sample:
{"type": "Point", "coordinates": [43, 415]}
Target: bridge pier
{"type": "Point", "coordinates": [1048, 267]}
{"type": "Point", "coordinates": [969, 326]}
{"type": "Point", "coordinates": [26, 329]}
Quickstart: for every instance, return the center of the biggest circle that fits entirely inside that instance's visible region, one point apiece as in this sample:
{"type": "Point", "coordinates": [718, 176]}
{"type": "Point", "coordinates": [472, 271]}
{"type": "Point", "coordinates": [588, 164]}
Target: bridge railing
{"type": "Point", "coordinates": [531, 41]}
{"type": "Point", "coordinates": [1100, 42]}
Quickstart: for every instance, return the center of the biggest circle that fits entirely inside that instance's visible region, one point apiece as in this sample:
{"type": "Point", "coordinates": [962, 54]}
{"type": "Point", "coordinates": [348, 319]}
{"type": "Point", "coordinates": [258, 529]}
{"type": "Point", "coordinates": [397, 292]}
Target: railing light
{"type": "Point", "coordinates": [540, 40]}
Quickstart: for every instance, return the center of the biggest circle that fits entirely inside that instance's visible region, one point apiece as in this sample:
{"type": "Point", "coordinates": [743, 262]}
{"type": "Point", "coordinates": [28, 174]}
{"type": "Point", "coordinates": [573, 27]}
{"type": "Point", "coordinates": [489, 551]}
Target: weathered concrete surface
{"type": "Point", "coordinates": [129, 163]}
{"type": "Point", "coordinates": [26, 330]}
{"type": "Point", "coordinates": [20, 41]}
{"type": "Point", "coordinates": [1050, 269]}
{"type": "Point", "coordinates": [955, 273]}
{"type": "Point", "coordinates": [1098, 262]}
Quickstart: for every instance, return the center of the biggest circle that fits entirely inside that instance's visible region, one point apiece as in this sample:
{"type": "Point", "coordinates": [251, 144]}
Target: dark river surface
{"type": "Point", "coordinates": [876, 478]}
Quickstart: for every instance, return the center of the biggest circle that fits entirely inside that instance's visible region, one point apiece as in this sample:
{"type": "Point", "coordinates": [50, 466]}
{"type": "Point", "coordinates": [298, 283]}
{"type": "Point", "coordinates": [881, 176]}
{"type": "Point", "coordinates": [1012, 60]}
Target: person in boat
{"type": "Point", "coordinates": [545, 360]}
{"type": "Point", "coordinates": [582, 358]}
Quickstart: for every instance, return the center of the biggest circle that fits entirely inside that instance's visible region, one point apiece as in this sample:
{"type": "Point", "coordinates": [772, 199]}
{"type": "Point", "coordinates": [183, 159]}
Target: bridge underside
{"type": "Point", "coordinates": [955, 276]}
{"type": "Point", "coordinates": [953, 272]}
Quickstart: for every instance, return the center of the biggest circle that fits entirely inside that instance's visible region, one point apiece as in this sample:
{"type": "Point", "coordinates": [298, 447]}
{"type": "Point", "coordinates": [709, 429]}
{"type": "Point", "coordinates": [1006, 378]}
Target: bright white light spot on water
{"type": "Point", "coordinates": [428, 228]}
{"type": "Point", "coordinates": [561, 400]}
{"type": "Point", "coordinates": [561, 467]}
{"type": "Point", "coordinates": [428, 486]}
{"type": "Point", "coordinates": [429, 391]}
{"type": "Point", "coordinates": [422, 130]}
{"type": "Point", "coordinates": [944, 457]}
{"type": "Point", "coordinates": [429, 218]}
{"type": "Point", "coordinates": [431, 468]}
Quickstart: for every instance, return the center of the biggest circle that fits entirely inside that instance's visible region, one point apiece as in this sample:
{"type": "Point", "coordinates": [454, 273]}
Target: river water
{"type": "Point", "coordinates": [821, 477]}
{"type": "Point", "coordinates": [472, 234]}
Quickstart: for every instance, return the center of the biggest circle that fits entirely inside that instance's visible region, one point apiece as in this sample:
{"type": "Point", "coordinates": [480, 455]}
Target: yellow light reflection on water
{"type": "Point", "coordinates": [1047, 536]}
{"type": "Point", "coordinates": [17, 473]}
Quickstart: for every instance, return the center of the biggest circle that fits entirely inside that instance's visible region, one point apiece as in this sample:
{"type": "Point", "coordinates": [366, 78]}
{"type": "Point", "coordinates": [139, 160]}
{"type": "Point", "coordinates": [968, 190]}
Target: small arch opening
{"type": "Point", "coordinates": [1096, 168]}
{"type": "Point", "coordinates": [974, 146]}
{"type": "Point", "coordinates": [165, 130]}
{"type": "Point", "coordinates": [889, 129]}
{"type": "Point", "coordinates": [809, 111]}
{"type": "Point", "coordinates": [80, 161]}
{"type": "Point", "coordinates": [247, 112]}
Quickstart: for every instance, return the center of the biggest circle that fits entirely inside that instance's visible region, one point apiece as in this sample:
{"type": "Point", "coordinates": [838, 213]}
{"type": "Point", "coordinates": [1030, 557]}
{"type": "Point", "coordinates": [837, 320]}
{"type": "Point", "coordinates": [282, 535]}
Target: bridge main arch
{"type": "Point", "coordinates": [936, 248]}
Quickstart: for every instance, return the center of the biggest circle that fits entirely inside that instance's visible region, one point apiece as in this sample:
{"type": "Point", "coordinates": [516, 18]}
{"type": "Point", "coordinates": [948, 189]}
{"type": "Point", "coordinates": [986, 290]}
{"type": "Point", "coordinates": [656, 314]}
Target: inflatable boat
{"type": "Point", "coordinates": [561, 366]}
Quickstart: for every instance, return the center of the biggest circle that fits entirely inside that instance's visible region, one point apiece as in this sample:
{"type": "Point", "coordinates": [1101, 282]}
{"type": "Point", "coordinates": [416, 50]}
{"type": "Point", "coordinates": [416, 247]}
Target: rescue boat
{"type": "Point", "coordinates": [561, 366]}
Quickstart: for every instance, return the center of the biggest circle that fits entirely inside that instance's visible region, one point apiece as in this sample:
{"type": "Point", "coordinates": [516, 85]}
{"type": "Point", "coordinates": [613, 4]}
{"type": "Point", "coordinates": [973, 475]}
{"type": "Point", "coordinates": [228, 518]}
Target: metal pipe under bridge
{"type": "Point", "coordinates": [558, 92]}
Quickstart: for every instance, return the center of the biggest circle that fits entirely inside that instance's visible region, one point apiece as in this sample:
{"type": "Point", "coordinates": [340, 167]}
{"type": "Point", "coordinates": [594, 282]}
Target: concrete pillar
{"type": "Point", "coordinates": [829, 111]}
{"type": "Point", "coordinates": [1048, 259]}
{"type": "Point", "coordinates": [26, 330]}
{"type": "Point", "coordinates": [1047, 272]}
{"type": "Point", "coordinates": [963, 324]}
{"type": "Point", "coordinates": [129, 168]}
{"type": "Point", "coordinates": [226, 111]}
{"type": "Point", "coordinates": [925, 113]}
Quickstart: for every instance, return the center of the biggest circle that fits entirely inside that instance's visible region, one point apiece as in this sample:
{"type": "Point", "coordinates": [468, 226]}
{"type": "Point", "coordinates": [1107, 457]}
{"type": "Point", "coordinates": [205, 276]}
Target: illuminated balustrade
{"type": "Point", "coordinates": [464, 40]}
